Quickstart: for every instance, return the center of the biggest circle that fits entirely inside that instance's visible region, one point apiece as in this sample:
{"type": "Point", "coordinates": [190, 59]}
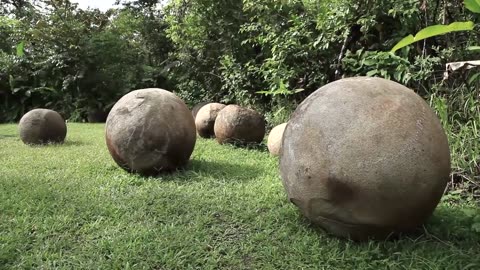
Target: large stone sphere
{"type": "Point", "coordinates": [205, 119]}
{"type": "Point", "coordinates": [149, 131]}
{"type": "Point", "coordinates": [364, 158]}
{"type": "Point", "coordinates": [274, 141]}
{"type": "Point", "coordinates": [240, 125]}
{"type": "Point", "coordinates": [42, 126]}
{"type": "Point", "coordinates": [197, 108]}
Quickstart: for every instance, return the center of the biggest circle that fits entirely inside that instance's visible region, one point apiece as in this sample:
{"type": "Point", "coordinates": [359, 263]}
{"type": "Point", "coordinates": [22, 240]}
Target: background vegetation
{"type": "Point", "coordinates": [267, 54]}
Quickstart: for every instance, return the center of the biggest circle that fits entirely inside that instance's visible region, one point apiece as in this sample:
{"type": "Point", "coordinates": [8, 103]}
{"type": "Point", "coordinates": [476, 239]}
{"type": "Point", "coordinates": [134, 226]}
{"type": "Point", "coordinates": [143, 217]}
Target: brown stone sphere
{"type": "Point", "coordinates": [364, 158]}
{"type": "Point", "coordinates": [205, 119]}
{"type": "Point", "coordinates": [197, 108]}
{"type": "Point", "coordinates": [240, 125]}
{"type": "Point", "coordinates": [149, 131]}
{"type": "Point", "coordinates": [274, 141]}
{"type": "Point", "coordinates": [42, 126]}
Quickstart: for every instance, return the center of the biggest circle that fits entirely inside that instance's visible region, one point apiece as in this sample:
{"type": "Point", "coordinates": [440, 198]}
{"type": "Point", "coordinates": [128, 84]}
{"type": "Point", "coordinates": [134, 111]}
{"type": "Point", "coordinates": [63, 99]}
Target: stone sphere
{"type": "Point", "coordinates": [240, 125]}
{"type": "Point", "coordinates": [205, 119]}
{"type": "Point", "coordinates": [364, 158]}
{"type": "Point", "coordinates": [42, 126]}
{"type": "Point", "coordinates": [197, 108]}
{"type": "Point", "coordinates": [149, 131]}
{"type": "Point", "coordinates": [274, 141]}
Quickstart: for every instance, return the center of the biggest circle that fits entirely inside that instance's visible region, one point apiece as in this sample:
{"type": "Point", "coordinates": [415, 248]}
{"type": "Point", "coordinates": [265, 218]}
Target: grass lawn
{"type": "Point", "coordinates": [71, 207]}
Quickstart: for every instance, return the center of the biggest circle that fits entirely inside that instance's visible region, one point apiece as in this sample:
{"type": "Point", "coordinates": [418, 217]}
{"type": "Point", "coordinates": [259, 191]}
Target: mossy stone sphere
{"type": "Point", "coordinates": [238, 125]}
{"type": "Point", "coordinates": [149, 131]}
{"type": "Point", "coordinates": [42, 126]}
{"type": "Point", "coordinates": [205, 119]}
{"type": "Point", "coordinates": [274, 141]}
{"type": "Point", "coordinates": [365, 158]}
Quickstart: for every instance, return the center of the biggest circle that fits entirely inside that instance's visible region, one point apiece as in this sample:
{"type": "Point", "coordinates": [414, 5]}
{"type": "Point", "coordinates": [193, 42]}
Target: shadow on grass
{"type": "Point", "coordinates": [261, 147]}
{"type": "Point", "coordinates": [7, 136]}
{"type": "Point", "coordinates": [449, 228]}
{"type": "Point", "coordinates": [197, 170]}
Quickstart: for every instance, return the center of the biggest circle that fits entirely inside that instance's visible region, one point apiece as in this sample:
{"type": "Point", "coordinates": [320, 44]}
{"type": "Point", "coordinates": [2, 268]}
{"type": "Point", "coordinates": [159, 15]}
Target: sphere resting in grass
{"type": "Point", "coordinates": [197, 108]}
{"type": "Point", "coordinates": [235, 124]}
{"type": "Point", "coordinates": [364, 158]}
{"type": "Point", "coordinates": [274, 141]}
{"type": "Point", "coordinates": [205, 119]}
{"type": "Point", "coordinates": [42, 126]}
{"type": "Point", "coordinates": [149, 131]}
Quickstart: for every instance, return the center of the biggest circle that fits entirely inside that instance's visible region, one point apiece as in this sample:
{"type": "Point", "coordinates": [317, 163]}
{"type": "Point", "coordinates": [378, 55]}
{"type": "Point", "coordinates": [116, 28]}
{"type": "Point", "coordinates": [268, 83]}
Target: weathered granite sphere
{"type": "Point", "coordinates": [197, 108]}
{"type": "Point", "coordinates": [274, 141]}
{"type": "Point", "coordinates": [149, 131]}
{"type": "Point", "coordinates": [42, 126]}
{"type": "Point", "coordinates": [205, 119]}
{"type": "Point", "coordinates": [364, 158]}
{"type": "Point", "coordinates": [235, 124]}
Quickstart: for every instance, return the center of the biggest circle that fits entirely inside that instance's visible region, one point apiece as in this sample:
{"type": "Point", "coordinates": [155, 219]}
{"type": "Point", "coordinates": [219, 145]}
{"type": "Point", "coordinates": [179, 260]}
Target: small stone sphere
{"type": "Point", "coordinates": [197, 108]}
{"type": "Point", "coordinates": [365, 158]}
{"type": "Point", "coordinates": [205, 119]}
{"type": "Point", "coordinates": [239, 125]}
{"type": "Point", "coordinates": [149, 131]}
{"type": "Point", "coordinates": [42, 126]}
{"type": "Point", "coordinates": [274, 141]}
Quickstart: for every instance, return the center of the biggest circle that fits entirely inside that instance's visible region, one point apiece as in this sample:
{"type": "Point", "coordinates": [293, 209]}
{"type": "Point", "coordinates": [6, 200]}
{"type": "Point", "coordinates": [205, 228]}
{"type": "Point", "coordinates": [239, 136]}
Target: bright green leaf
{"type": "Point", "coordinates": [20, 47]}
{"type": "Point", "coordinates": [434, 30]}
{"type": "Point", "coordinates": [473, 48]}
{"type": "Point", "coordinates": [473, 5]}
{"type": "Point", "coordinates": [404, 42]}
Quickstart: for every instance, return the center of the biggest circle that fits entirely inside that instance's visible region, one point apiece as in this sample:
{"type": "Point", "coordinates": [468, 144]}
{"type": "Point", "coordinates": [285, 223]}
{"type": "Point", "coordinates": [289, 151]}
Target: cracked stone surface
{"type": "Point", "coordinates": [364, 158]}
{"type": "Point", "coordinates": [149, 131]}
{"type": "Point", "coordinates": [42, 126]}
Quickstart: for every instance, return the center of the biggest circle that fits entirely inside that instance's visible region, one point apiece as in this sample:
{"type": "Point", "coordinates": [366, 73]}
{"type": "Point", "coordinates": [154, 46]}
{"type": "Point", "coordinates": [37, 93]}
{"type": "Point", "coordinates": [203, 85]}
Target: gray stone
{"type": "Point", "coordinates": [239, 125]}
{"type": "Point", "coordinates": [149, 131]}
{"type": "Point", "coordinates": [42, 126]}
{"type": "Point", "coordinates": [205, 119]}
{"type": "Point", "coordinates": [274, 141]}
{"type": "Point", "coordinates": [364, 158]}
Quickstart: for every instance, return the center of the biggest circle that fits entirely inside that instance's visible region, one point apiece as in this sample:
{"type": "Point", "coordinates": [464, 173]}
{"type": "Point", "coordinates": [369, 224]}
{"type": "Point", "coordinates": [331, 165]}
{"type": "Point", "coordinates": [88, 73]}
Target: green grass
{"type": "Point", "coordinates": [70, 207]}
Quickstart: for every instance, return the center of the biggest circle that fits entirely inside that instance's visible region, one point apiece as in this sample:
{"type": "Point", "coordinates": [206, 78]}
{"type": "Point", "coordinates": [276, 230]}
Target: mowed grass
{"type": "Point", "coordinates": [71, 207]}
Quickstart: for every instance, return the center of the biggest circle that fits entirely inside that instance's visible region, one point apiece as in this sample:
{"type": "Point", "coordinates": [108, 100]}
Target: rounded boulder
{"type": "Point", "coordinates": [149, 131]}
{"type": "Point", "coordinates": [365, 158]}
{"type": "Point", "coordinates": [235, 124]}
{"type": "Point", "coordinates": [197, 108]}
{"type": "Point", "coordinates": [42, 126]}
{"type": "Point", "coordinates": [205, 119]}
{"type": "Point", "coordinates": [274, 141]}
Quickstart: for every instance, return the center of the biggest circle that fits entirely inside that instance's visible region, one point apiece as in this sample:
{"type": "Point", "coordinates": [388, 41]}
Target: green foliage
{"type": "Point", "coordinates": [434, 30]}
{"type": "Point", "coordinates": [473, 5]}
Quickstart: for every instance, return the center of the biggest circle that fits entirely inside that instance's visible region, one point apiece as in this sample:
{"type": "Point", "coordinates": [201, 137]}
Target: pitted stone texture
{"type": "Point", "coordinates": [149, 131]}
{"type": "Point", "coordinates": [197, 108]}
{"type": "Point", "coordinates": [205, 119]}
{"type": "Point", "coordinates": [365, 157]}
{"type": "Point", "coordinates": [240, 125]}
{"type": "Point", "coordinates": [274, 141]}
{"type": "Point", "coordinates": [42, 126]}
